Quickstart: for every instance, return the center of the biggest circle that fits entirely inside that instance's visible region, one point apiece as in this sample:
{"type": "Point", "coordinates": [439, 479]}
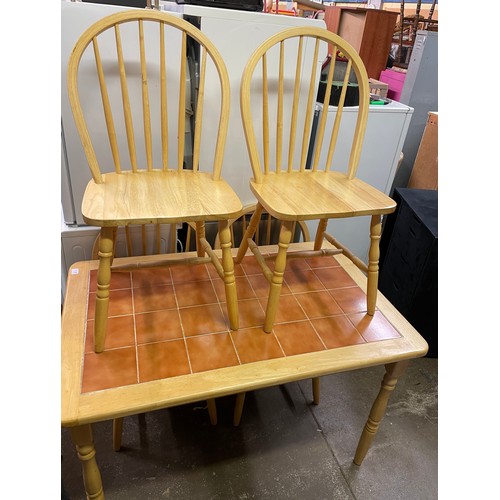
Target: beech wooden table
{"type": "Point", "coordinates": [161, 352]}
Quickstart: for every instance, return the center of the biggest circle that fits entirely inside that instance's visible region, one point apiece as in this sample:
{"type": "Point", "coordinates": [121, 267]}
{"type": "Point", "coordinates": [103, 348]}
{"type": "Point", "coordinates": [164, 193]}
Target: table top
{"type": "Point", "coordinates": [169, 342]}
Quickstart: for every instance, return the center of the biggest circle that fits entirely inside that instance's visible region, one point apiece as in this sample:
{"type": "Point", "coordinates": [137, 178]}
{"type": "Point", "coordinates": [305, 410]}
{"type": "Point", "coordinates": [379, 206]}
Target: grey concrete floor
{"type": "Point", "coordinates": [284, 447]}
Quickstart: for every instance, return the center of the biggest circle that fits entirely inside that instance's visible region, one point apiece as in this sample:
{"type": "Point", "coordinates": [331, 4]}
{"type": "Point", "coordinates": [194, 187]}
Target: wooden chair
{"type": "Point", "coordinates": [141, 178]}
{"type": "Point", "coordinates": [284, 185]}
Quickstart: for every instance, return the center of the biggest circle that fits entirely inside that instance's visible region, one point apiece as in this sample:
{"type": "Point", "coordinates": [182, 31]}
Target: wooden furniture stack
{"type": "Point", "coordinates": [369, 31]}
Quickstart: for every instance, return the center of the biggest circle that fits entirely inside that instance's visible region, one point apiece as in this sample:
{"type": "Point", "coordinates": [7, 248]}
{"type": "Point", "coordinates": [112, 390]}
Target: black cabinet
{"type": "Point", "coordinates": [409, 261]}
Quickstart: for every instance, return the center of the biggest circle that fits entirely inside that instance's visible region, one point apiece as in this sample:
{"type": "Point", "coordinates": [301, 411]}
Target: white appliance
{"type": "Point", "coordinates": [385, 135]}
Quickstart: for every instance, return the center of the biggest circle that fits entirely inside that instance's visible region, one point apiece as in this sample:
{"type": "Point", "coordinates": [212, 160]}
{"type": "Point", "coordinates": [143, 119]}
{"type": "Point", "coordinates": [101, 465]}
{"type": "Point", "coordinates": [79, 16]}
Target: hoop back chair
{"type": "Point", "coordinates": [279, 100]}
{"type": "Point", "coordinates": [142, 177]}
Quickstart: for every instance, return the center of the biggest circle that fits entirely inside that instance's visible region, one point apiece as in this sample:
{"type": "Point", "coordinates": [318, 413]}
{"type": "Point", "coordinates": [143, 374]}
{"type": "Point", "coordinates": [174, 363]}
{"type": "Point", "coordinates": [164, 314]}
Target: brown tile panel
{"type": "Point", "coordinates": [172, 321]}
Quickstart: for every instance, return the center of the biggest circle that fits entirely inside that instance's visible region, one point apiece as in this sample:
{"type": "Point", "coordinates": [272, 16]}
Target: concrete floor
{"type": "Point", "coordinates": [285, 447]}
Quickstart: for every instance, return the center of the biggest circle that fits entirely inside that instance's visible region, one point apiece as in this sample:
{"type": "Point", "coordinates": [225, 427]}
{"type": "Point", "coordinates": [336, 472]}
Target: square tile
{"type": "Point", "coordinates": [196, 272]}
{"type": "Point", "coordinates": [195, 293]}
{"type": "Point", "coordinates": [253, 344]}
{"type": "Point", "coordinates": [120, 303]}
{"type": "Point", "coordinates": [151, 277]}
{"type": "Point", "coordinates": [334, 277]}
{"type": "Point", "coordinates": [250, 265]}
{"type": "Point", "coordinates": [199, 320]}
{"type": "Point", "coordinates": [162, 360]}
{"type": "Point", "coordinates": [250, 313]}
{"type": "Point", "coordinates": [375, 327]}
{"type": "Point", "coordinates": [318, 304]}
{"type": "Point", "coordinates": [324, 261]}
{"type": "Point", "coordinates": [303, 280]}
{"type": "Point", "coordinates": [118, 280]}
{"type": "Point", "coordinates": [288, 309]}
{"type": "Point", "coordinates": [260, 286]}
{"type": "Point", "coordinates": [209, 352]}
{"type": "Point", "coordinates": [109, 369]}
{"type": "Point", "coordinates": [119, 333]}
{"type": "Point", "coordinates": [337, 331]}
{"type": "Point", "coordinates": [154, 298]}
{"type": "Point", "coordinates": [351, 300]}
{"type": "Point", "coordinates": [243, 288]}
{"type": "Point", "coordinates": [298, 338]}
{"type": "Point", "coordinates": [158, 326]}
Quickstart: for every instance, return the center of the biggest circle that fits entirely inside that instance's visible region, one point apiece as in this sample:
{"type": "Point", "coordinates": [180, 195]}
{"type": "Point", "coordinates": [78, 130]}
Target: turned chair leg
{"type": "Point", "coordinates": [252, 227]}
{"type": "Point", "coordinates": [318, 241]}
{"type": "Point", "coordinates": [393, 372]}
{"type": "Point", "coordinates": [212, 411]}
{"type": "Point", "coordinates": [238, 408]}
{"type": "Point", "coordinates": [106, 243]}
{"type": "Point", "coordinates": [117, 433]}
{"type": "Point", "coordinates": [315, 390]}
{"type": "Point", "coordinates": [373, 258]}
{"type": "Point", "coordinates": [83, 440]}
{"type": "Point", "coordinates": [229, 279]}
{"type": "Point", "coordinates": [277, 279]}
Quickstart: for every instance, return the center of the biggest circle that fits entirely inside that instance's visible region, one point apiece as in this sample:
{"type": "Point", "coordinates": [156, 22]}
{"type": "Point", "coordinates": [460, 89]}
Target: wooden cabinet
{"type": "Point", "coordinates": [369, 31]}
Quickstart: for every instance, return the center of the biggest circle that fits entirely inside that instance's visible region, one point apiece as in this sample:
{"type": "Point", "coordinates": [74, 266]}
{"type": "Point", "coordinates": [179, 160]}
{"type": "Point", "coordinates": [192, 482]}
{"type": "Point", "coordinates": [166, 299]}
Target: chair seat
{"type": "Point", "coordinates": [316, 195]}
{"type": "Point", "coordinates": [158, 197]}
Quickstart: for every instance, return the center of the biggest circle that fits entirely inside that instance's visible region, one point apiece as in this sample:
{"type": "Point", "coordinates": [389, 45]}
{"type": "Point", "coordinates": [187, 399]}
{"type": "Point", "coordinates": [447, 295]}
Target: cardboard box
{"type": "Point", "coordinates": [424, 174]}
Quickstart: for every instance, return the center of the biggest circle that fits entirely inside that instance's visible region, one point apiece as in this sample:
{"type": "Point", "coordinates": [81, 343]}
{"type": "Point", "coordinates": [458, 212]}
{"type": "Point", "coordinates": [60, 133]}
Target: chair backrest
{"type": "Point", "coordinates": [136, 62]}
{"type": "Point", "coordinates": [280, 100]}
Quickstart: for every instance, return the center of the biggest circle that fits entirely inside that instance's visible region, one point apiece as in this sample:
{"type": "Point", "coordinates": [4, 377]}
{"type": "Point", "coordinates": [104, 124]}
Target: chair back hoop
{"type": "Point", "coordinates": [295, 80]}
{"type": "Point", "coordinates": [154, 80]}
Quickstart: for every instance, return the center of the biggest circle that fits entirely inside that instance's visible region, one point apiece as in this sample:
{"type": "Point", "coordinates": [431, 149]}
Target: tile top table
{"type": "Point", "coordinates": [165, 348]}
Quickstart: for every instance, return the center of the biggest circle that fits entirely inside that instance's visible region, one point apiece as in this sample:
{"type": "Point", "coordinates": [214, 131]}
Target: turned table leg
{"type": "Point", "coordinates": [82, 438]}
{"type": "Point", "coordinates": [393, 372]}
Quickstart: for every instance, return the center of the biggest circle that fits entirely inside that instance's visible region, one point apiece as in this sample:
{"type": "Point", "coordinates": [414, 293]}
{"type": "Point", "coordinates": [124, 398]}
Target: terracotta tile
{"type": "Point", "coordinates": [288, 309]}
{"type": "Point", "coordinates": [351, 300]}
{"type": "Point", "coordinates": [209, 352]}
{"type": "Point", "coordinates": [298, 338]}
{"type": "Point", "coordinates": [260, 286]}
{"type": "Point", "coordinates": [243, 288]}
{"type": "Point", "coordinates": [253, 344]}
{"type": "Point", "coordinates": [295, 264]}
{"type": "Point", "coordinates": [118, 280]}
{"type": "Point", "coordinates": [337, 331]}
{"type": "Point", "coordinates": [162, 360]}
{"type": "Point", "coordinates": [318, 304]}
{"type": "Point", "coordinates": [194, 293]}
{"type": "Point", "coordinates": [250, 313]}
{"type": "Point", "coordinates": [334, 277]}
{"type": "Point", "coordinates": [151, 277]}
{"type": "Point", "coordinates": [375, 327]}
{"type": "Point", "coordinates": [119, 333]}
{"type": "Point", "coordinates": [198, 320]}
{"type": "Point", "coordinates": [109, 369]}
{"type": "Point", "coordinates": [326, 261]}
{"type": "Point", "coordinates": [154, 298]}
{"type": "Point", "coordinates": [302, 280]}
{"type": "Point", "coordinates": [157, 326]}
{"type": "Point", "coordinates": [238, 270]}
{"type": "Point", "coordinates": [250, 265]}
{"type": "Point", "coordinates": [189, 273]}
{"type": "Point", "coordinates": [120, 303]}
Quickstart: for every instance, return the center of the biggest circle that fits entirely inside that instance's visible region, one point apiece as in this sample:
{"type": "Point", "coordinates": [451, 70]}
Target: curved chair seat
{"type": "Point", "coordinates": [149, 197]}
{"type": "Point", "coordinates": [317, 195]}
